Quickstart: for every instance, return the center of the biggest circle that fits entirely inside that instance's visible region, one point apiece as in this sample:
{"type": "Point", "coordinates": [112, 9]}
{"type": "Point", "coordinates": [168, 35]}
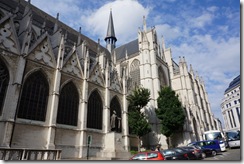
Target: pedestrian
{"type": "Point", "coordinates": [158, 147]}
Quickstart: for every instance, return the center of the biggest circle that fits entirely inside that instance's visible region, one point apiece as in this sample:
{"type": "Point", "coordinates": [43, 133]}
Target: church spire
{"type": "Point", "coordinates": [110, 38]}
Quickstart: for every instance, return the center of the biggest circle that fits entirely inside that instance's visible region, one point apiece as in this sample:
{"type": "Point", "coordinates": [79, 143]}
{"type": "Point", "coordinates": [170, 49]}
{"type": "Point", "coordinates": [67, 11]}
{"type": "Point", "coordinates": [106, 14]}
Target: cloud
{"type": "Point", "coordinates": [170, 33]}
{"type": "Point", "coordinates": [127, 18]}
{"type": "Point", "coordinates": [202, 20]}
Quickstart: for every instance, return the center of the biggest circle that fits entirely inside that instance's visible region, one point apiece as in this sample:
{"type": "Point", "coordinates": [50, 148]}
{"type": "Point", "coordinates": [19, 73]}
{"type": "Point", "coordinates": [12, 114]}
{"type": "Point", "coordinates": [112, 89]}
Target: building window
{"type": "Point", "coordinates": [232, 115]}
{"type": "Point", "coordinates": [95, 111]}
{"type": "Point", "coordinates": [235, 102]}
{"type": "Point", "coordinates": [238, 113]}
{"type": "Point", "coordinates": [68, 105]}
{"type": "Point", "coordinates": [4, 80]}
{"type": "Point", "coordinates": [162, 77]}
{"type": "Point", "coordinates": [116, 124]}
{"type": "Point", "coordinates": [135, 73]}
{"type": "Point", "coordinates": [34, 98]}
{"type": "Point", "coordinates": [230, 119]}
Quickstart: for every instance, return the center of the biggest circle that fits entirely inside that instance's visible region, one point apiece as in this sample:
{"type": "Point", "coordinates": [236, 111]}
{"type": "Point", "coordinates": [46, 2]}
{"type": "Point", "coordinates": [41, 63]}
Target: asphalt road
{"type": "Point", "coordinates": [229, 155]}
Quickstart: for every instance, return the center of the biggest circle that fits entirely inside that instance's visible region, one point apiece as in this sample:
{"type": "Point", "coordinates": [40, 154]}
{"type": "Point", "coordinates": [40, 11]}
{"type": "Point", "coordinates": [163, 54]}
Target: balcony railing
{"type": "Point", "coordinates": [29, 154]}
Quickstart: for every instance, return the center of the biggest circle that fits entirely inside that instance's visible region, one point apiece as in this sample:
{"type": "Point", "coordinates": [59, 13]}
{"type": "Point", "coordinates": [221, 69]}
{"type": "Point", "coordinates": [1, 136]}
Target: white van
{"type": "Point", "coordinates": [233, 138]}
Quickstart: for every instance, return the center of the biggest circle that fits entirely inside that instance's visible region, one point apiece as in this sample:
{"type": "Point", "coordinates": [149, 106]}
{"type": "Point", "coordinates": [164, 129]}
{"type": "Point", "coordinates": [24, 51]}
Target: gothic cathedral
{"type": "Point", "coordinates": [58, 87]}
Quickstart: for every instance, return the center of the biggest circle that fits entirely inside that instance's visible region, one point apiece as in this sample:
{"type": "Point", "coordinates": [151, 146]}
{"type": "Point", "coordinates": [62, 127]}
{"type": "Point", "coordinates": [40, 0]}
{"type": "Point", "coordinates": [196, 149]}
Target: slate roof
{"type": "Point", "coordinates": [40, 16]}
{"type": "Point", "coordinates": [131, 47]}
{"type": "Point", "coordinates": [110, 30]}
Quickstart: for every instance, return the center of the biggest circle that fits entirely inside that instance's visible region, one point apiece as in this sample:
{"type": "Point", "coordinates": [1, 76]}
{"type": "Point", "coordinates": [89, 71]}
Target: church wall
{"type": "Point", "coordinates": [68, 140]}
{"type": "Point", "coordinates": [65, 136]}
{"type": "Point", "coordinates": [176, 83]}
{"type": "Point", "coordinates": [29, 134]}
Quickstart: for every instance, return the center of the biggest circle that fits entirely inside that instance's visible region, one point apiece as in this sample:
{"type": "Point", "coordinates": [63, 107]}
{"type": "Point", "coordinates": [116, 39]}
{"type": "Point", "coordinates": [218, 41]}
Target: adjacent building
{"type": "Point", "coordinates": [59, 87]}
{"type": "Point", "coordinates": [230, 105]}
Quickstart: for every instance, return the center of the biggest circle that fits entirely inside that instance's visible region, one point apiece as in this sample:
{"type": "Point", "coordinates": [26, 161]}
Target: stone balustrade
{"type": "Point", "coordinates": [29, 154]}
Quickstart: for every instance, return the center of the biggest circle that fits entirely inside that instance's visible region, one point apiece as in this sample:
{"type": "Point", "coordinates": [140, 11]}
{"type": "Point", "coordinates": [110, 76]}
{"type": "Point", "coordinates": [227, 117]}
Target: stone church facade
{"type": "Point", "coordinates": [59, 87]}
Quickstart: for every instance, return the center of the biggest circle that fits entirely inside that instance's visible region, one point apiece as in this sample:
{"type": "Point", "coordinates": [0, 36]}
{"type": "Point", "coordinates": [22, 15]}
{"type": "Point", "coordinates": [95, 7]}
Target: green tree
{"type": "Point", "coordinates": [137, 120]}
{"type": "Point", "coordinates": [170, 112]}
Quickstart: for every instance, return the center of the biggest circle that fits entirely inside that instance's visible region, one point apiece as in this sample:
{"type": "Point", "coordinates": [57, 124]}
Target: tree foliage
{"type": "Point", "coordinates": [170, 111]}
{"type": "Point", "coordinates": [138, 123]}
{"type": "Point", "coordinates": [138, 98]}
{"type": "Point", "coordinates": [137, 120]}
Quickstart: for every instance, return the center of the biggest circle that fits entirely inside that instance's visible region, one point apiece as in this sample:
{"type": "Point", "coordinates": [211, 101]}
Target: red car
{"type": "Point", "coordinates": [150, 155]}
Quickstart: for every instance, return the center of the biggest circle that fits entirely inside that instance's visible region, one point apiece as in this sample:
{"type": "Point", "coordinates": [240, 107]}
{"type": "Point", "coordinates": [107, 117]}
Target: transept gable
{"type": "Point", "coordinates": [72, 64]}
{"type": "Point", "coordinates": [96, 75]}
{"type": "Point", "coordinates": [115, 82]}
{"type": "Point", "coordinates": [8, 36]}
{"type": "Point", "coordinates": [42, 51]}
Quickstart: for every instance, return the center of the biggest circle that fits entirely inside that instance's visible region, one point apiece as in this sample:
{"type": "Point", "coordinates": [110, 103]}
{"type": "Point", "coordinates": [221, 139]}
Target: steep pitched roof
{"type": "Point", "coordinates": [110, 30]}
{"type": "Point", "coordinates": [40, 16]}
{"type": "Point", "coordinates": [131, 48]}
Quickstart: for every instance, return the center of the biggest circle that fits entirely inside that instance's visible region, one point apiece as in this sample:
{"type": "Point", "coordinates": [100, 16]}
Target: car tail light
{"type": "Point", "coordinates": [197, 150]}
{"type": "Point", "coordinates": [185, 155]}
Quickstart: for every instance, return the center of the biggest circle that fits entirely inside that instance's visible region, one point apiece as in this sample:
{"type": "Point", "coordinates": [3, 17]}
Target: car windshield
{"type": "Point", "coordinates": [233, 135]}
{"type": "Point", "coordinates": [179, 150]}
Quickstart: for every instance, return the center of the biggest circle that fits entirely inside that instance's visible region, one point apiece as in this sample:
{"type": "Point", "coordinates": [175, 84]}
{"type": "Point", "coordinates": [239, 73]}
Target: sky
{"type": "Point", "coordinates": [205, 32]}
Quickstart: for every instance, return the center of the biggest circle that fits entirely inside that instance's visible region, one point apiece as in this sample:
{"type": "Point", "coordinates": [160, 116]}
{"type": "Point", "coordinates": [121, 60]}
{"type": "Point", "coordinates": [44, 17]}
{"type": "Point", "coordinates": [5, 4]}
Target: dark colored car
{"type": "Point", "coordinates": [190, 154]}
{"type": "Point", "coordinates": [215, 145]}
{"type": "Point", "coordinates": [171, 154]}
{"type": "Point", "coordinates": [150, 155]}
{"type": "Point", "coordinates": [194, 150]}
{"type": "Point", "coordinates": [206, 152]}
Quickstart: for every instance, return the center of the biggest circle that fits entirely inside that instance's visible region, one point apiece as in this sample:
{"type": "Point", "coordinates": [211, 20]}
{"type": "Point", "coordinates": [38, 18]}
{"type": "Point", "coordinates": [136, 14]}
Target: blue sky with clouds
{"type": "Point", "coordinates": [205, 32]}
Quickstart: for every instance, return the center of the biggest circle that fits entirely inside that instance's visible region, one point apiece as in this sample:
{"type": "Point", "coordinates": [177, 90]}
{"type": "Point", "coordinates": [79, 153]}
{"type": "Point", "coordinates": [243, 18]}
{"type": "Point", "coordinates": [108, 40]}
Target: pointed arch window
{"type": "Point", "coordinates": [4, 80]}
{"type": "Point", "coordinates": [68, 105]}
{"type": "Point", "coordinates": [115, 115]}
{"type": "Point", "coordinates": [34, 97]}
{"type": "Point", "coordinates": [135, 73]}
{"type": "Point", "coordinates": [162, 77]}
{"type": "Point", "coordinates": [95, 111]}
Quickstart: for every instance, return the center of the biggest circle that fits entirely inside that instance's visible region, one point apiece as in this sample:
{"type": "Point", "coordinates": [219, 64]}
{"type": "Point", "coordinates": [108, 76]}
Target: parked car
{"type": "Point", "coordinates": [233, 143]}
{"type": "Point", "coordinates": [215, 145]}
{"type": "Point", "coordinates": [194, 150]}
{"type": "Point", "coordinates": [189, 152]}
{"type": "Point", "coordinates": [150, 155]}
{"type": "Point", "coordinates": [206, 152]}
{"type": "Point", "coordinates": [171, 154]}
{"type": "Point", "coordinates": [233, 139]}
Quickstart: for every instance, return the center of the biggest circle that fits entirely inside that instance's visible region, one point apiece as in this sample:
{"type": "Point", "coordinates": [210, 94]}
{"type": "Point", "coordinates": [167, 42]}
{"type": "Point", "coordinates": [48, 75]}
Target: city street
{"type": "Point", "coordinates": [230, 155]}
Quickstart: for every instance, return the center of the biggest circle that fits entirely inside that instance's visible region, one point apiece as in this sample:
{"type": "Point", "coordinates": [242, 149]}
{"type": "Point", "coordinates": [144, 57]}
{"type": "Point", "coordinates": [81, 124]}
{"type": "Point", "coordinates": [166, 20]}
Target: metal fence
{"type": "Point", "coordinates": [29, 154]}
